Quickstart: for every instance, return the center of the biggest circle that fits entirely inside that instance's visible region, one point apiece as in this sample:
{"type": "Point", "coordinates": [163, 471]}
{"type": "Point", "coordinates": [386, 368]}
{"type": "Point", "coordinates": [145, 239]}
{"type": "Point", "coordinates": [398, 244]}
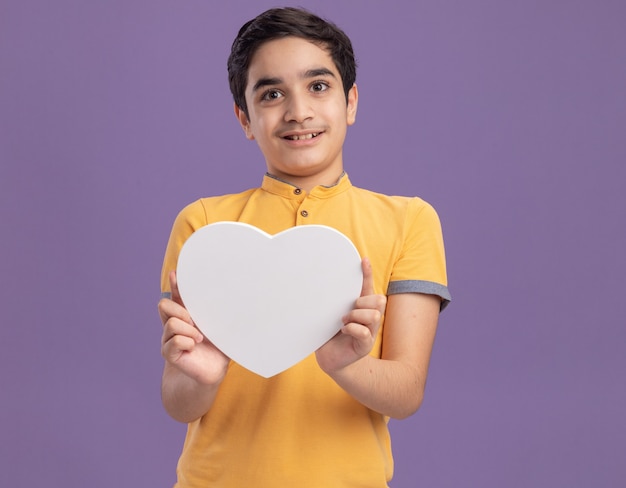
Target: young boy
{"type": "Point", "coordinates": [323, 422]}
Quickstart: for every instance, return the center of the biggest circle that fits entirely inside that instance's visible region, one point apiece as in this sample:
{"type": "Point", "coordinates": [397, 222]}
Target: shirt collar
{"type": "Point", "coordinates": [275, 185]}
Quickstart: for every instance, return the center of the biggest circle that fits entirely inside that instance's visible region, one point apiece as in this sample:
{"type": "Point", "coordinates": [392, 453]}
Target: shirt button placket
{"type": "Point", "coordinates": [303, 213]}
{"type": "Point", "coordinates": [302, 210]}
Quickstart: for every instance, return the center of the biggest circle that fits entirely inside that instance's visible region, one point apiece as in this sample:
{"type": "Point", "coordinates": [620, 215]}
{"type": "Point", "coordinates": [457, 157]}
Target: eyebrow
{"type": "Point", "coordinates": [311, 73]}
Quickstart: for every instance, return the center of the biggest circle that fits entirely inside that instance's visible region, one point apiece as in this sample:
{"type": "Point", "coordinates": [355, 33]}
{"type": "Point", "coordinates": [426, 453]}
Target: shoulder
{"type": "Point", "coordinates": [214, 208]}
{"type": "Point", "coordinates": [407, 207]}
{"type": "Point", "coordinates": [387, 199]}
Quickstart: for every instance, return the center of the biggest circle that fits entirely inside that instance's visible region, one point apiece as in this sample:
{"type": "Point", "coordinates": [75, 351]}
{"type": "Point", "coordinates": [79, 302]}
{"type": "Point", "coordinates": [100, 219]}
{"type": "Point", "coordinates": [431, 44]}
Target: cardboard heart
{"type": "Point", "coordinates": [265, 301]}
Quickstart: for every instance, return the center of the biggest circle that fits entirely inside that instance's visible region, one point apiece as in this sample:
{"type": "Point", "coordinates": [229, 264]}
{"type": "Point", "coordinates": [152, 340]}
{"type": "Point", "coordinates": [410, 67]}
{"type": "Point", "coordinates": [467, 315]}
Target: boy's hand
{"type": "Point", "coordinates": [356, 338]}
{"type": "Point", "coordinates": [183, 345]}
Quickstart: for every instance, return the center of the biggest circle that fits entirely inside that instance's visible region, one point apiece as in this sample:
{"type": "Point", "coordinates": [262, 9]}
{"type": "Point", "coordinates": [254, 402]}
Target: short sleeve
{"type": "Point", "coordinates": [421, 265]}
{"type": "Point", "coordinates": [190, 219]}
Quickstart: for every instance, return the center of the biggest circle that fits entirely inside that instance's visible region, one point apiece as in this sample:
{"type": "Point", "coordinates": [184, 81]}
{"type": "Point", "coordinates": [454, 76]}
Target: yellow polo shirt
{"type": "Point", "coordinates": [299, 428]}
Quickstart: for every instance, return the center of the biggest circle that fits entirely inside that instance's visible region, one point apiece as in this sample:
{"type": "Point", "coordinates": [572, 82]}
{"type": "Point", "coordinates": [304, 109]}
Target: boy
{"type": "Point", "coordinates": [323, 422]}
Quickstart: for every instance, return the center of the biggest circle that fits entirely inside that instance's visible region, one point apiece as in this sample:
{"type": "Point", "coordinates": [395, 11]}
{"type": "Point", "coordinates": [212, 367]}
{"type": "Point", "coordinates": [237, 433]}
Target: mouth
{"type": "Point", "coordinates": [301, 137]}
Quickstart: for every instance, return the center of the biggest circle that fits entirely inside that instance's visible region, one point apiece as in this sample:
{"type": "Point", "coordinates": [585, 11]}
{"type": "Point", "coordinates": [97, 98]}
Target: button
{"type": "Point", "coordinates": [297, 191]}
{"type": "Point", "coordinates": [304, 213]}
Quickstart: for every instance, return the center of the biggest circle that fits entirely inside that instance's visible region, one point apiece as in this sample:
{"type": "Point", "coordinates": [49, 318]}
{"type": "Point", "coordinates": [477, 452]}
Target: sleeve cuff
{"type": "Point", "coordinates": [420, 286]}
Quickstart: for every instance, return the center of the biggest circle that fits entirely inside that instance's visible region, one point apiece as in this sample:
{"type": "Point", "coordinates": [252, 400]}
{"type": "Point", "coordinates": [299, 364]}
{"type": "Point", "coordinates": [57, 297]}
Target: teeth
{"type": "Point", "coordinates": [303, 137]}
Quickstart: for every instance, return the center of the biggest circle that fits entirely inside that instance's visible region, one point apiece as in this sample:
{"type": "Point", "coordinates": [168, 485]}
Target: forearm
{"type": "Point", "coordinates": [385, 386]}
{"type": "Point", "coordinates": [184, 398]}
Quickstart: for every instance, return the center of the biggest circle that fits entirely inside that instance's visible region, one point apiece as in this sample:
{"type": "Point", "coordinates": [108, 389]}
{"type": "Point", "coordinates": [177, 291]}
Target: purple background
{"type": "Point", "coordinates": [510, 117]}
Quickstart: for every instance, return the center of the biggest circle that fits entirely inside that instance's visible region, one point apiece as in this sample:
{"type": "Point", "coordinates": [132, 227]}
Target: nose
{"type": "Point", "coordinates": [298, 109]}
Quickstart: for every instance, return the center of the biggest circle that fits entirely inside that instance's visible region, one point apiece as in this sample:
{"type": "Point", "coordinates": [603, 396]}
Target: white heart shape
{"type": "Point", "coordinates": [265, 301]}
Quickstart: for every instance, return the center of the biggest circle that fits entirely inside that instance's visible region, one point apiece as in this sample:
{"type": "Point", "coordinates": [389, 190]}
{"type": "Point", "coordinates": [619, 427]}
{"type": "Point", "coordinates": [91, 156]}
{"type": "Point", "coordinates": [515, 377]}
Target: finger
{"type": "Point", "coordinates": [362, 338]}
{"type": "Point", "coordinates": [357, 331]}
{"type": "Point", "coordinates": [176, 327]}
{"type": "Point", "coordinates": [369, 318]}
{"type": "Point", "coordinates": [178, 344]}
{"type": "Point", "coordinates": [368, 278]}
{"type": "Point", "coordinates": [375, 302]}
{"type": "Point", "coordinates": [170, 309]}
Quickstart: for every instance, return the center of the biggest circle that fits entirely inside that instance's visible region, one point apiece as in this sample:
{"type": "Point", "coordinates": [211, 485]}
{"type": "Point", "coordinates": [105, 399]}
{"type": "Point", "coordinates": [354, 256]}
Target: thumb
{"type": "Point", "coordinates": [174, 287]}
{"type": "Point", "coordinates": [368, 278]}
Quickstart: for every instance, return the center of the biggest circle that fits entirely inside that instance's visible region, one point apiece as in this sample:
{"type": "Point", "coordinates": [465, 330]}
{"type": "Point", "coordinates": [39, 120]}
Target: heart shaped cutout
{"type": "Point", "coordinates": [265, 301]}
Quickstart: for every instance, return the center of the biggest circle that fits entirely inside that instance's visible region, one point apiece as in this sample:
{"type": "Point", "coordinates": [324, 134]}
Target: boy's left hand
{"type": "Point", "coordinates": [358, 334]}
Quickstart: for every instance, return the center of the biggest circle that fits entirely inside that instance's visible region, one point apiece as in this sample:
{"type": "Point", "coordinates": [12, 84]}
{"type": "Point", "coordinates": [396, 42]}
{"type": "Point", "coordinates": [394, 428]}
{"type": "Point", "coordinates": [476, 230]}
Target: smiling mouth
{"type": "Point", "coordinates": [302, 137]}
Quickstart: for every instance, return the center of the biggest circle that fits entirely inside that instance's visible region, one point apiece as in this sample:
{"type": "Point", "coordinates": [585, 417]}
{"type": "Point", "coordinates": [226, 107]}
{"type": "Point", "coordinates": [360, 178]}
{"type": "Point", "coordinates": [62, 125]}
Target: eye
{"type": "Point", "coordinates": [270, 95]}
{"type": "Point", "coordinates": [319, 86]}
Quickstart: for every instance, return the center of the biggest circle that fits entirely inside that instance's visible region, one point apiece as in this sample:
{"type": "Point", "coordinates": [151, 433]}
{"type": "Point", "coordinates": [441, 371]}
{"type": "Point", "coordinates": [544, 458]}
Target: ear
{"type": "Point", "coordinates": [243, 120]}
{"type": "Point", "coordinates": [353, 102]}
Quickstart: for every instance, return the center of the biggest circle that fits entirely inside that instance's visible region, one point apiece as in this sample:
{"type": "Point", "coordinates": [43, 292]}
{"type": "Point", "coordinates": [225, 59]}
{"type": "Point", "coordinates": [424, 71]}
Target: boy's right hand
{"type": "Point", "coordinates": [183, 345]}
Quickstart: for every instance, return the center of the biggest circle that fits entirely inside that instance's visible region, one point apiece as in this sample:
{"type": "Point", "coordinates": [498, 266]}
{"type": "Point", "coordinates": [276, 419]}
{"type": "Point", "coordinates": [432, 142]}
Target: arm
{"type": "Point", "coordinates": [393, 385]}
{"type": "Point", "coordinates": [194, 368]}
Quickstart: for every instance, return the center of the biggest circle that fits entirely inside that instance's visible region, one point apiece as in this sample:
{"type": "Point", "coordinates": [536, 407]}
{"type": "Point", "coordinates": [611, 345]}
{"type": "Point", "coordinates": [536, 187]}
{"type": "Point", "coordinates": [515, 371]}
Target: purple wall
{"type": "Point", "coordinates": [510, 117]}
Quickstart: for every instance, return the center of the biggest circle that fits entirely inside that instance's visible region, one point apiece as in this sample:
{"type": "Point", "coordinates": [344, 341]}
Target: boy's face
{"type": "Point", "coordinates": [297, 111]}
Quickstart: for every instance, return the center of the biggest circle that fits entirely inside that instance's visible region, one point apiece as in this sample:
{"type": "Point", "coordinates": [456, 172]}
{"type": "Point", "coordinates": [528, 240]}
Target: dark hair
{"type": "Point", "coordinates": [277, 23]}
